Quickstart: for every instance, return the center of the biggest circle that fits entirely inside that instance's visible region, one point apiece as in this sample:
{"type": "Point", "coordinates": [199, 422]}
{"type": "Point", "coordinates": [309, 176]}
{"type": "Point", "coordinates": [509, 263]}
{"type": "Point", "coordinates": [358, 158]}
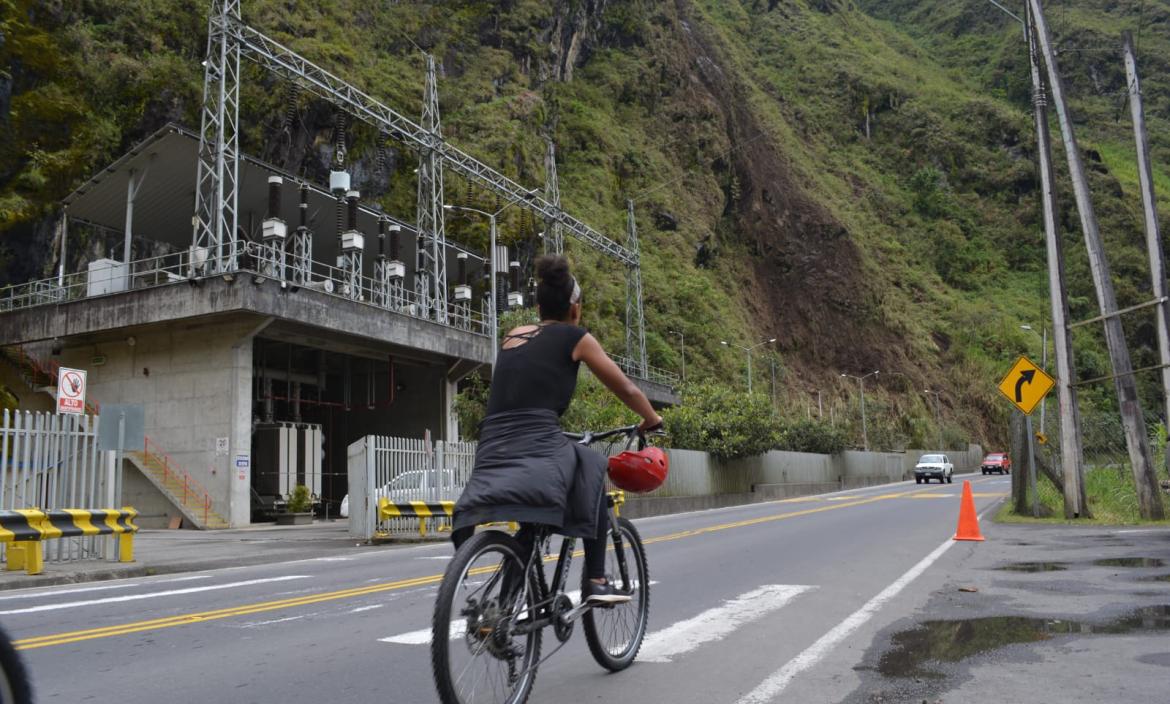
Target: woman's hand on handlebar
{"type": "Point", "coordinates": [651, 425]}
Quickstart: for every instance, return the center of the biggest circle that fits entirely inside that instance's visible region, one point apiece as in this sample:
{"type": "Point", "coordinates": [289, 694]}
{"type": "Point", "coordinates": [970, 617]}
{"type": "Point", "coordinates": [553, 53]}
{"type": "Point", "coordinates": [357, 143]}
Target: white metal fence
{"type": "Point", "coordinates": [50, 461]}
{"type": "Point", "coordinates": [401, 470]}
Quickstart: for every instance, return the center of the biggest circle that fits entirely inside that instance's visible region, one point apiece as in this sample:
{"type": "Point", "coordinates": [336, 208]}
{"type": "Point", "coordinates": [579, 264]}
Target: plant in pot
{"type": "Point", "coordinates": [299, 509]}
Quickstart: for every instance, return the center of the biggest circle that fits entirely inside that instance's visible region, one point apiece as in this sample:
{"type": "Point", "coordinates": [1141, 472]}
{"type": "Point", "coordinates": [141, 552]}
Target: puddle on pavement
{"type": "Point", "coordinates": [1034, 567]}
{"type": "Point", "coordinates": [1130, 562]}
{"type": "Point", "coordinates": [952, 641]}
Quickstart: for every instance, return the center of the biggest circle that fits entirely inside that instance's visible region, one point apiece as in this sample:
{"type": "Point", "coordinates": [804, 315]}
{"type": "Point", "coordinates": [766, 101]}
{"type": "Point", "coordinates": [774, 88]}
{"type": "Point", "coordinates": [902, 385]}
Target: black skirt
{"type": "Point", "coordinates": [527, 471]}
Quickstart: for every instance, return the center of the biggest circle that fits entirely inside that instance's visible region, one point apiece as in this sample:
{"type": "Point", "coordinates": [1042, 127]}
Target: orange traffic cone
{"type": "Point", "coordinates": [968, 521]}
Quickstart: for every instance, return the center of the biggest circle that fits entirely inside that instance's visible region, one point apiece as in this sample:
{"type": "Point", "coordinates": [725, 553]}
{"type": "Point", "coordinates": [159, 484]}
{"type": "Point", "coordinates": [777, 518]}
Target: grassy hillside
{"type": "Point", "coordinates": [853, 178]}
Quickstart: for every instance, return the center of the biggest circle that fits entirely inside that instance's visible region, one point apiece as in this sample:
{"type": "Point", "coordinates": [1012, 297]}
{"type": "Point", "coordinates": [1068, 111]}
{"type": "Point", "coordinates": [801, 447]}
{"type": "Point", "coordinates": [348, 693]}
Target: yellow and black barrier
{"type": "Point", "coordinates": [25, 529]}
{"type": "Point", "coordinates": [421, 510]}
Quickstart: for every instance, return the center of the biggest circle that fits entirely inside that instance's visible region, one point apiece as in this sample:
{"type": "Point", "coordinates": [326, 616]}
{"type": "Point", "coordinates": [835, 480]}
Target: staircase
{"type": "Point", "coordinates": [188, 495]}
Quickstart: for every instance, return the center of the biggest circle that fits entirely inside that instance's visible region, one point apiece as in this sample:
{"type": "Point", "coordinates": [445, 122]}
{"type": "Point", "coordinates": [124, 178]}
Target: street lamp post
{"type": "Point", "coordinates": [491, 267]}
{"type": "Point", "coordinates": [861, 385]}
{"type": "Point", "coordinates": [683, 342]}
{"type": "Point", "coordinates": [937, 419]}
{"type": "Point", "coordinates": [1043, 365]}
{"type": "Point", "coordinates": [748, 352]}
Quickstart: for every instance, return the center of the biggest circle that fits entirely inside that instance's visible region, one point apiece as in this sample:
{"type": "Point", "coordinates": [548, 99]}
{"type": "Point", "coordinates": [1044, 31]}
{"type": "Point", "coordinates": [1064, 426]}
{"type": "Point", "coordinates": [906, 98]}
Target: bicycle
{"type": "Point", "coordinates": [494, 604]}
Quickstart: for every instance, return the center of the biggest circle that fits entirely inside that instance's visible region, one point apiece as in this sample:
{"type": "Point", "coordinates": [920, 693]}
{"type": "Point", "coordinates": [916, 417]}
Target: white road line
{"type": "Point", "coordinates": [423, 635]}
{"type": "Point", "coordinates": [149, 595]}
{"type": "Point", "coordinates": [767, 690]}
{"type": "Point", "coordinates": [360, 609]}
{"type": "Point", "coordinates": [104, 587]}
{"type": "Point", "coordinates": [715, 624]}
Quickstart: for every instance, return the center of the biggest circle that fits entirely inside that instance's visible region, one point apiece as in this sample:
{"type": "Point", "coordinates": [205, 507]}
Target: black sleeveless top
{"type": "Point", "coordinates": [539, 373]}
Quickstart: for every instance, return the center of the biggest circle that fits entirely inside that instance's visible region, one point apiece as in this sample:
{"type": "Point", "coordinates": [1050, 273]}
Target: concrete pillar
{"type": "Point", "coordinates": [451, 425]}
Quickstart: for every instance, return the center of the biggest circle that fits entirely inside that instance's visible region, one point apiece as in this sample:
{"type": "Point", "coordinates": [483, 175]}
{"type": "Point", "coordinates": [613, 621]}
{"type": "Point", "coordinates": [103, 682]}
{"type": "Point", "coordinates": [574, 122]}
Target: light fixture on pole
{"type": "Point", "coordinates": [748, 352]}
{"type": "Point", "coordinates": [861, 385]}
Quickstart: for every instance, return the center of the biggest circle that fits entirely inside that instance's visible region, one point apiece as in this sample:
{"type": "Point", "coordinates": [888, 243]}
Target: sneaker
{"type": "Point", "coordinates": [605, 594]}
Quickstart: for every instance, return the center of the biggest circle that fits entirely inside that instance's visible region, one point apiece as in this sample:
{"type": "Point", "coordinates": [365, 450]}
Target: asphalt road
{"type": "Point", "coordinates": [821, 576]}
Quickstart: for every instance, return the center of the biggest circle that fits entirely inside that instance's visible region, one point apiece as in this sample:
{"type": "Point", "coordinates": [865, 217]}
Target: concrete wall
{"type": "Point", "coordinates": [195, 382]}
{"type": "Point", "coordinates": [154, 509]}
{"type": "Point", "coordinates": [699, 481]}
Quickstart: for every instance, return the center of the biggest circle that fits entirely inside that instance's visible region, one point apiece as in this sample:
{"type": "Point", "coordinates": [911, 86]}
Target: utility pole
{"type": "Point", "coordinates": [748, 351]}
{"type": "Point", "coordinates": [1150, 211]}
{"type": "Point", "coordinates": [1149, 500]}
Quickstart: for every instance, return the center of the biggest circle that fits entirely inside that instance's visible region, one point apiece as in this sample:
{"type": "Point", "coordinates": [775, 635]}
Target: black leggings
{"type": "Point", "coordinates": [594, 547]}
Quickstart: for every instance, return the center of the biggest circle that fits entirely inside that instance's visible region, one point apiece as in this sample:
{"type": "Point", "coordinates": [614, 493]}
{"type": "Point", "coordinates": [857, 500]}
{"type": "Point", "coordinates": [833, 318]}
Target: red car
{"type": "Point", "coordinates": [997, 462]}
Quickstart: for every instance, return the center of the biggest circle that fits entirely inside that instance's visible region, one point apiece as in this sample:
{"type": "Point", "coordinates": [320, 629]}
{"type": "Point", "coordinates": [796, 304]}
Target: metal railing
{"type": "Point", "coordinates": [652, 374]}
{"type": "Point", "coordinates": [50, 461]}
{"type": "Point", "coordinates": [253, 259]}
{"type": "Point", "coordinates": [402, 470]}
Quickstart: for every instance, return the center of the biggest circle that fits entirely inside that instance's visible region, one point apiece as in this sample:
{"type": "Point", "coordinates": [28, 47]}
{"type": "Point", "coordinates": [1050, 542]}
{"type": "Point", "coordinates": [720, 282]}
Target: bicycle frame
{"type": "Point", "coordinates": [544, 616]}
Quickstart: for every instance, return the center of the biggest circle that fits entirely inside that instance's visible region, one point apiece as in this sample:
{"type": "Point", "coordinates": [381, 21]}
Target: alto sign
{"type": "Point", "coordinates": [70, 390]}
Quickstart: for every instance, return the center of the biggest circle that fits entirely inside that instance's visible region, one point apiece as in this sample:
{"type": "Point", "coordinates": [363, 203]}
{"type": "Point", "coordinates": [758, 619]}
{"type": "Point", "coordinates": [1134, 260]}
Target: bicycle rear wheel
{"type": "Point", "coordinates": [477, 656]}
{"type": "Point", "coordinates": [615, 633]}
{"type": "Point", "coordinates": [14, 683]}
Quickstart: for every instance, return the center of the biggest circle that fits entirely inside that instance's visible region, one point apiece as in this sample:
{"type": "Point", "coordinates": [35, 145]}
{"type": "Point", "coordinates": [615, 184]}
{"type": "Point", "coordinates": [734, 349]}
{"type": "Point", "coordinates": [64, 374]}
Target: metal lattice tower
{"type": "Point", "coordinates": [635, 316]}
{"type": "Point", "coordinates": [430, 279]}
{"type": "Point", "coordinates": [215, 224]}
{"type": "Point", "coordinates": [218, 175]}
{"type": "Point", "coordinates": [554, 239]}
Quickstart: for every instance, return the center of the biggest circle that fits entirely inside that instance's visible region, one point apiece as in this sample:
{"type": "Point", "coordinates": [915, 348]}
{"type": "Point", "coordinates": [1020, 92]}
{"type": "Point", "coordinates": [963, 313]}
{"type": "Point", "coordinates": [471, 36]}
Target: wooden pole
{"type": "Point", "coordinates": [1149, 500]}
{"type": "Point", "coordinates": [1150, 213]}
{"type": "Point", "coordinates": [1075, 501]}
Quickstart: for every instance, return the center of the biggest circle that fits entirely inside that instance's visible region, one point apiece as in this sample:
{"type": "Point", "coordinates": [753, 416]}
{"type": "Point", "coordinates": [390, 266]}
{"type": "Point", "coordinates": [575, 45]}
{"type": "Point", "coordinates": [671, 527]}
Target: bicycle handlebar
{"type": "Point", "coordinates": [588, 437]}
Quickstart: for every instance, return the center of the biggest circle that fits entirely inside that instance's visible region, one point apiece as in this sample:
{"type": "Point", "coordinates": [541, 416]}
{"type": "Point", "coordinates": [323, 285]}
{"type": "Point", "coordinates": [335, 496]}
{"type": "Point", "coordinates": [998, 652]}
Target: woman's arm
{"type": "Point", "coordinates": [589, 351]}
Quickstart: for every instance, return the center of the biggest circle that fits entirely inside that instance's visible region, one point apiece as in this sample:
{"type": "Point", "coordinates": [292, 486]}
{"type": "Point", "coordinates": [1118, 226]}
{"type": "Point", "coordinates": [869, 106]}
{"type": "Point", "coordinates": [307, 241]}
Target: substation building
{"type": "Point", "coordinates": [268, 322]}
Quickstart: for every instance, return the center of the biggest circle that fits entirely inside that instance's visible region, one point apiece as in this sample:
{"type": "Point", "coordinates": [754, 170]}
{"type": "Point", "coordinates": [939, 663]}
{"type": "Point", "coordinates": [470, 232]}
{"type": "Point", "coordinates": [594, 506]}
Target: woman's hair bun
{"type": "Point", "coordinates": [552, 269]}
{"type": "Point", "coordinates": [554, 286]}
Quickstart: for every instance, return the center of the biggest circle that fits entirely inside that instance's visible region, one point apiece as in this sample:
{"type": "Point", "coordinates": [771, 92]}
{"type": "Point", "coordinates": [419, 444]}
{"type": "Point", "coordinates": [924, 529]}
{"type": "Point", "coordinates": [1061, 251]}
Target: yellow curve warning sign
{"type": "Point", "coordinates": [1026, 384]}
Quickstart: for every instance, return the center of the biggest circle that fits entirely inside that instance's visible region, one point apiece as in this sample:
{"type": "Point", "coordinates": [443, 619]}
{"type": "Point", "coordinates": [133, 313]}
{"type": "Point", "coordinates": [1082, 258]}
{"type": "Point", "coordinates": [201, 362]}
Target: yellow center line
{"type": "Point", "coordinates": [260, 607]}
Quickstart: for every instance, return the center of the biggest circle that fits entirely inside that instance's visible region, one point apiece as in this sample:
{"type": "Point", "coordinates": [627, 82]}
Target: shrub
{"type": "Point", "coordinates": [726, 423]}
{"type": "Point", "coordinates": [300, 502]}
{"type": "Point", "coordinates": [811, 435]}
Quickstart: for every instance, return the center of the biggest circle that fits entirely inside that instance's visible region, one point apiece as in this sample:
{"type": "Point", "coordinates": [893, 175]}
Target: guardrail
{"type": "Point", "coordinates": [25, 530]}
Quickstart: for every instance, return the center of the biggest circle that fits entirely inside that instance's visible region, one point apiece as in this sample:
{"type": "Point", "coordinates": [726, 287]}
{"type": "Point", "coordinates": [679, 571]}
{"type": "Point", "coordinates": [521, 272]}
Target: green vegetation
{"type": "Point", "coordinates": [853, 177]}
{"type": "Point", "coordinates": [299, 502]}
{"type": "Point", "coordinates": [1112, 500]}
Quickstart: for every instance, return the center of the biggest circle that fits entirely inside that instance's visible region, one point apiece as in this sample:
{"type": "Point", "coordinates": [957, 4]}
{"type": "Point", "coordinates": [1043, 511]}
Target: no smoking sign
{"type": "Point", "coordinates": [70, 390]}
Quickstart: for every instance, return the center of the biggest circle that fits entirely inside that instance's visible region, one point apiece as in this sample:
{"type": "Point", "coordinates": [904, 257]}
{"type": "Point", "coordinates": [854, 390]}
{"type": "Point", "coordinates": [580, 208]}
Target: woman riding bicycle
{"type": "Point", "coordinates": [525, 469]}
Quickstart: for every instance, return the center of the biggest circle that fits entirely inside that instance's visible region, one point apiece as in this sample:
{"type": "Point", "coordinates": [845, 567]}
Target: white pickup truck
{"type": "Point", "coordinates": [933, 467]}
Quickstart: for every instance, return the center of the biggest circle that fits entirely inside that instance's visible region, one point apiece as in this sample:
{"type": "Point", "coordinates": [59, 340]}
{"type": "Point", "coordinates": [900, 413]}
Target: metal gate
{"type": "Point", "coordinates": [403, 469]}
{"type": "Point", "coordinates": [50, 461]}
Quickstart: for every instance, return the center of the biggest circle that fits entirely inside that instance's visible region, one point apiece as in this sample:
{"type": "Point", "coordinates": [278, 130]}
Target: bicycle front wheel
{"type": "Point", "coordinates": [480, 651]}
{"type": "Point", "coordinates": [615, 633]}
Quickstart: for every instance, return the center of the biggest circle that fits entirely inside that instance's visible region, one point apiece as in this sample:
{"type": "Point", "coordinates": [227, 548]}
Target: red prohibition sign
{"type": "Point", "coordinates": [73, 384]}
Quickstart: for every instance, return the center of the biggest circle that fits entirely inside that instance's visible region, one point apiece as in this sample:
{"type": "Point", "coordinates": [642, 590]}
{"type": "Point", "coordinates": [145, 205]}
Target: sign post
{"type": "Point", "coordinates": [1026, 385]}
{"type": "Point", "coordinates": [71, 390]}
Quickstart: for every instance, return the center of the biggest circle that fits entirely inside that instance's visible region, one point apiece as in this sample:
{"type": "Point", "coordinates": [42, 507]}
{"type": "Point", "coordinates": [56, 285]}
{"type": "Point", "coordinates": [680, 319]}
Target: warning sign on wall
{"type": "Point", "coordinates": [70, 390]}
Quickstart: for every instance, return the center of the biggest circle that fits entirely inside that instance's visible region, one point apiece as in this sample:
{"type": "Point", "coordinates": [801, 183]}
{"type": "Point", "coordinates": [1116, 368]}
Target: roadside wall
{"type": "Point", "coordinates": [700, 481]}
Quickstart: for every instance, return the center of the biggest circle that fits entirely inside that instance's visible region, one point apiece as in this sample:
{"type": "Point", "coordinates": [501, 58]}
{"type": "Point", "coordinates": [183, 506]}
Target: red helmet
{"type": "Point", "coordinates": [640, 471]}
